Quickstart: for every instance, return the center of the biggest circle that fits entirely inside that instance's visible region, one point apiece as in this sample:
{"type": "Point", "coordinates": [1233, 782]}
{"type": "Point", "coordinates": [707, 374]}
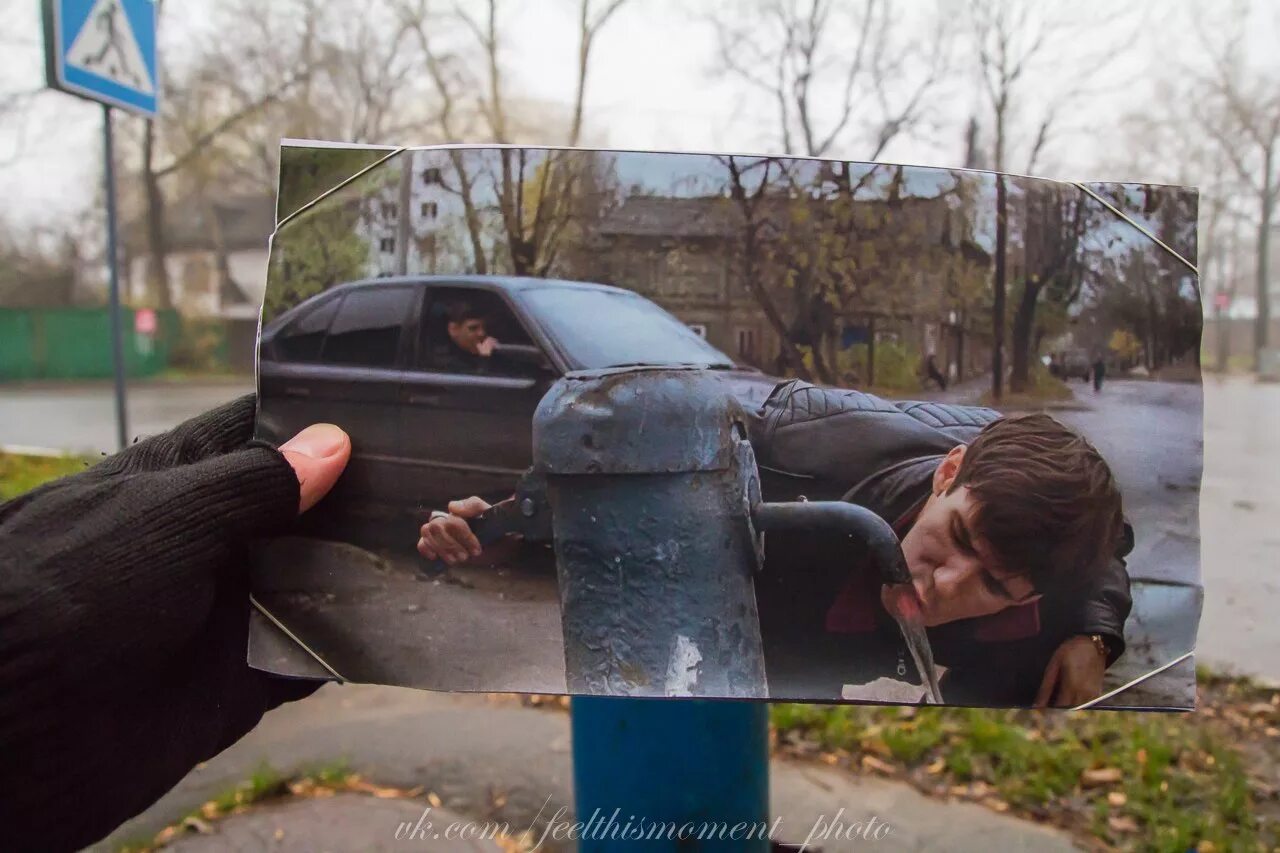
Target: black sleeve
{"type": "Point", "coordinates": [123, 626]}
{"type": "Point", "coordinates": [1103, 606]}
{"type": "Point", "coordinates": [1106, 608]}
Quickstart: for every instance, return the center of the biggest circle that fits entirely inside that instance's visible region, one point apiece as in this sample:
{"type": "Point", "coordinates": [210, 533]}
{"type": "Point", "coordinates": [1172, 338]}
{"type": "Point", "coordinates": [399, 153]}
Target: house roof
{"type": "Point", "coordinates": [666, 216]}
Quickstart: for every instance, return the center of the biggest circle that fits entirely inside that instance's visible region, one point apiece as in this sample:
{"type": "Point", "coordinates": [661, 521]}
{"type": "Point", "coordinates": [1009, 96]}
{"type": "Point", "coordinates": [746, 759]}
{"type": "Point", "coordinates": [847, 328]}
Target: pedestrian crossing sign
{"type": "Point", "coordinates": [104, 50]}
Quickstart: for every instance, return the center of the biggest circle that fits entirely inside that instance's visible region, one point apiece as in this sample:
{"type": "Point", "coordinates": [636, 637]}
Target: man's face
{"type": "Point", "coordinates": [468, 334]}
{"type": "Point", "coordinates": [954, 570]}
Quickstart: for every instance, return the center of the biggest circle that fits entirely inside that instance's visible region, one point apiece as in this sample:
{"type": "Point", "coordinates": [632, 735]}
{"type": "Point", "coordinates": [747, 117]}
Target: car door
{"type": "Point", "coordinates": [289, 371]}
{"type": "Point", "coordinates": [468, 432]}
{"type": "Point", "coordinates": [355, 383]}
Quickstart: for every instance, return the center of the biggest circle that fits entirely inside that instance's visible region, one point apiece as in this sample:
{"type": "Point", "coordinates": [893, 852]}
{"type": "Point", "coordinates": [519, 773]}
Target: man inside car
{"type": "Point", "coordinates": [1011, 526]}
{"type": "Point", "coordinates": [467, 347]}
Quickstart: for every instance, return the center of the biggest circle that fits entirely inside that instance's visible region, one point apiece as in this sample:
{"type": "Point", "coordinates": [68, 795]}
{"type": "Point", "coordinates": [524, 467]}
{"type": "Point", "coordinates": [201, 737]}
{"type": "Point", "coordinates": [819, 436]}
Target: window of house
{"type": "Point", "coordinates": [387, 245]}
{"type": "Point", "coordinates": [366, 331]}
{"type": "Point", "coordinates": [747, 343]}
{"type": "Point", "coordinates": [430, 210]}
{"type": "Point", "coordinates": [301, 339]}
{"type": "Point", "coordinates": [431, 176]}
{"type": "Point", "coordinates": [390, 210]}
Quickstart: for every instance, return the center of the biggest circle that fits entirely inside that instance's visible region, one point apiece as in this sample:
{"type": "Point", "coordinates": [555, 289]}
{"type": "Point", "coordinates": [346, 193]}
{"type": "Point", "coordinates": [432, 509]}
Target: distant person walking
{"type": "Point", "coordinates": [1099, 373]}
{"type": "Point", "coordinates": [931, 368]}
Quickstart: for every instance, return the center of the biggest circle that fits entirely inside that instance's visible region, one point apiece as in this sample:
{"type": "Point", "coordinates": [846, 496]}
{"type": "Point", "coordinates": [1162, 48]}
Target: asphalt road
{"type": "Point", "coordinates": [1139, 425]}
{"type": "Point", "coordinates": [80, 417]}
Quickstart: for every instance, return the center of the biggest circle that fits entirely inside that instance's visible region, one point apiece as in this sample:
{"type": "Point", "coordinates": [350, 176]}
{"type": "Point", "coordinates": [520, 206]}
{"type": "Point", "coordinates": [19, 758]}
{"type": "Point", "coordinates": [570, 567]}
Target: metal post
{"type": "Point", "coordinates": [673, 774]}
{"type": "Point", "coordinates": [113, 280]}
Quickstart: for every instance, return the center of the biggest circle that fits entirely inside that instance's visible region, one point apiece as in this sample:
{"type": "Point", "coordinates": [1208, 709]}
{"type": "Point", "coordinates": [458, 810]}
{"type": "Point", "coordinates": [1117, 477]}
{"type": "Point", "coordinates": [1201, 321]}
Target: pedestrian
{"type": "Point", "coordinates": [1099, 372]}
{"type": "Point", "coordinates": [124, 616]}
{"type": "Point", "coordinates": [931, 367]}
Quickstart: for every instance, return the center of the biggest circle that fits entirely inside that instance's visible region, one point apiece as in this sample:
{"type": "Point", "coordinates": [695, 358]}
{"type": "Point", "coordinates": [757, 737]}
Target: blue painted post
{"type": "Point", "coordinates": [673, 774]}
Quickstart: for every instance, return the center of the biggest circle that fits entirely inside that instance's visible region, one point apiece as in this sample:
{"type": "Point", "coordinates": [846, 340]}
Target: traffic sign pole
{"type": "Point", "coordinates": [113, 279]}
{"type": "Point", "coordinates": [105, 51]}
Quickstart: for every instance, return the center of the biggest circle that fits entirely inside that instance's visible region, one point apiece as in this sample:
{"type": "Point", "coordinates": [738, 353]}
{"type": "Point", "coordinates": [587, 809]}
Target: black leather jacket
{"type": "Point", "coordinates": [830, 444]}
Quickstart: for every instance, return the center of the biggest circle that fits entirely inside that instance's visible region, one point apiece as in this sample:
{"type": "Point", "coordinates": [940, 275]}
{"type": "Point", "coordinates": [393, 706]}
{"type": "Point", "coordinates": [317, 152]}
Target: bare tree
{"type": "Point", "coordinates": [840, 75]}
{"type": "Point", "coordinates": [1239, 108]}
{"type": "Point", "coordinates": [532, 231]}
{"type": "Point", "coordinates": [589, 26]}
{"type": "Point", "coordinates": [1031, 69]}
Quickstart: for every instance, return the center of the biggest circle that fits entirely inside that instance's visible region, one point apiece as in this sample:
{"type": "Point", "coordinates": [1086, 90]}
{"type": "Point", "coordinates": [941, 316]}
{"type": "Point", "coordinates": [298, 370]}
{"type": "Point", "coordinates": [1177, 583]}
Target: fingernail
{"type": "Point", "coordinates": [318, 441]}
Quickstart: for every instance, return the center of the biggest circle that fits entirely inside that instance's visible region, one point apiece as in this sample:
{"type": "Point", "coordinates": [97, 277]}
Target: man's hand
{"type": "Point", "coordinates": [1073, 676]}
{"type": "Point", "coordinates": [449, 538]}
{"type": "Point", "coordinates": [124, 596]}
{"type": "Point", "coordinates": [486, 347]}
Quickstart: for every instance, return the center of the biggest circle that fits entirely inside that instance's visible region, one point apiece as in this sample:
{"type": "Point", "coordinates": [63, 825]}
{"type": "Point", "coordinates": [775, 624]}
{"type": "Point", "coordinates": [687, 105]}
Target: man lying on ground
{"type": "Point", "coordinates": [1011, 526]}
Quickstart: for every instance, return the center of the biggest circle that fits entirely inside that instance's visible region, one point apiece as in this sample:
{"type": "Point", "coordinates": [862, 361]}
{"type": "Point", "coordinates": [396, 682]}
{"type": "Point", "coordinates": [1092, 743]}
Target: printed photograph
{"type": "Point", "coordinates": [669, 424]}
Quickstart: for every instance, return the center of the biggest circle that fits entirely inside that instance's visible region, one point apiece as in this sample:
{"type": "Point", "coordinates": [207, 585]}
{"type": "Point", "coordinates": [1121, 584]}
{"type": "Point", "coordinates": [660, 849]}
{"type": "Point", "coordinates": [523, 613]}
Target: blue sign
{"type": "Point", "coordinates": [104, 50]}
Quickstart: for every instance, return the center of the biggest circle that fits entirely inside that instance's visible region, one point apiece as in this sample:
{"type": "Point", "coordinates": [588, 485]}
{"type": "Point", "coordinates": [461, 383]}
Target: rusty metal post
{"type": "Point", "coordinates": [650, 482]}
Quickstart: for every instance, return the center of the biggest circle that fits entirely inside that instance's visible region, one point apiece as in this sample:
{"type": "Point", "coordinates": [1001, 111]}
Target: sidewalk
{"type": "Point", "coordinates": [493, 759]}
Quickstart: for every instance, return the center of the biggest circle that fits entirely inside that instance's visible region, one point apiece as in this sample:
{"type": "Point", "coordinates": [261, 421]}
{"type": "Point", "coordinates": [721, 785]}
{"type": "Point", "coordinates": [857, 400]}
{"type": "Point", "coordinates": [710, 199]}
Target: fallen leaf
{"type": "Point", "coordinates": [1100, 776]}
{"type": "Point", "coordinates": [959, 790]}
{"type": "Point", "coordinates": [1117, 799]}
{"type": "Point", "coordinates": [1142, 756]}
{"type": "Point", "coordinates": [198, 825]}
{"type": "Point", "coordinates": [1206, 847]}
{"type": "Point", "coordinates": [996, 804]}
{"type": "Point", "coordinates": [1122, 823]}
{"type": "Point", "coordinates": [936, 767]}
{"type": "Point", "coordinates": [1271, 731]}
{"type": "Point", "coordinates": [872, 763]}
{"type": "Point", "coordinates": [877, 746]}
{"type": "Point", "coordinates": [829, 758]}
{"type": "Point", "coordinates": [1261, 708]}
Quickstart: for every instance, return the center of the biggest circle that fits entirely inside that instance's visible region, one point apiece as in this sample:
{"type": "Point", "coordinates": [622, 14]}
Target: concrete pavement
{"type": "Point", "coordinates": [492, 759]}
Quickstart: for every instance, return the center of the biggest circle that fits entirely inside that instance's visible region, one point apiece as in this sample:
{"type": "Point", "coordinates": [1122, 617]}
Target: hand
{"type": "Point", "coordinates": [449, 538]}
{"type": "Point", "coordinates": [124, 596]}
{"type": "Point", "coordinates": [1073, 676]}
{"type": "Point", "coordinates": [486, 347]}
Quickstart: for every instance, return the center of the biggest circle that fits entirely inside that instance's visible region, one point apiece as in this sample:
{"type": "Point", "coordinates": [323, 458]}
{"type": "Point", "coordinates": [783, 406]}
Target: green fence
{"type": "Point", "coordinates": [75, 343]}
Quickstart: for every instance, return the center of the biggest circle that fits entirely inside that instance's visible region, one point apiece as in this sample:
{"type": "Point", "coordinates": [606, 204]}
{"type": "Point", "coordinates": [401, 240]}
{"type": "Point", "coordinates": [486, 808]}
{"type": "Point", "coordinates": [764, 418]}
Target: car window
{"type": "Point", "coordinates": [479, 314]}
{"type": "Point", "coordinates": [301, 339]}
{"type": "Point", "coordinates": [605, 328]}
{"type": "Point", "coordinates": [366, 331]}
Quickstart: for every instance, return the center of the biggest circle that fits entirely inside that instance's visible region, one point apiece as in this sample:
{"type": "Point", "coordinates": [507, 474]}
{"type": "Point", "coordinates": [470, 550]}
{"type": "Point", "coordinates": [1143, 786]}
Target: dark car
{"type": "Point", "coordinates": [1076, 364]}
{"type": "Point", "coordinates": [367, 356]}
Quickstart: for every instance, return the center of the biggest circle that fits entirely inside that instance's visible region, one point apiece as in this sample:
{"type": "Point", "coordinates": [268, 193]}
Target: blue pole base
{"type": "Point", "coordinates": [686, 774]}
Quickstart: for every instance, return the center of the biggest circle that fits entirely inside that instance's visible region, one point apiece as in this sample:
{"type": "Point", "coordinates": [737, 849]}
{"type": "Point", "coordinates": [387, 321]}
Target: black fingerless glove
{"type": "Point", "coordinates": [124, 609]}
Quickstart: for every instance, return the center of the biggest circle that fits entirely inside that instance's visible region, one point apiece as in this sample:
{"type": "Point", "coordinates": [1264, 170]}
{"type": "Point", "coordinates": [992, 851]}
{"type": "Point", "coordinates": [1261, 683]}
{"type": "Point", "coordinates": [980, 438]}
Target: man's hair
{"type": "Point", "coordinates": [461, 310]}
{"type": "Point", "coordinates": [1045, 500]}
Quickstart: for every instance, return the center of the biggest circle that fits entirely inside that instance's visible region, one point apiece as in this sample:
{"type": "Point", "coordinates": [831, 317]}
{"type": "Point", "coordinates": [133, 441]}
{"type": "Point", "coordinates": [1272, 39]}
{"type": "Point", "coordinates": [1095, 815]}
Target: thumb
{"type": "Point", "coordinates": [317, 455]}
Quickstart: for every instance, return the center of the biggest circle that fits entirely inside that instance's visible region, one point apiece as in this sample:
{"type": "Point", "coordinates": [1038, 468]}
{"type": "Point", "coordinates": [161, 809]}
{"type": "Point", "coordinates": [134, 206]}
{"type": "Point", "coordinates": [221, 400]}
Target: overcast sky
{"type": "Point", "coordinates": [650, 89]}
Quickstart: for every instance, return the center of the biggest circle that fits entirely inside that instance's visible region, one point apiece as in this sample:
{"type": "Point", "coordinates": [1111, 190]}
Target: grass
{"type": "Point", "coordinates": [266, 784]}
{"type": "Point", "coordinates": [1042, 387]}
{"type": "Point", "coordinates": [1131, 781]}
{"type": "Point", "coordinates": [21, 472]}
